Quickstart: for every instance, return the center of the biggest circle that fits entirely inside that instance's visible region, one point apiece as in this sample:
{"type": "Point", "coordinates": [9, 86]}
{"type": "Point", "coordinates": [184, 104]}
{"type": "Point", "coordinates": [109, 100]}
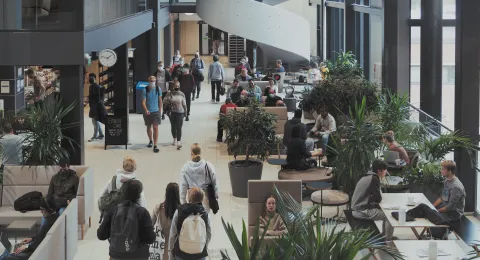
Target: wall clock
{"type": "Point", "coordinates": [107, 57]}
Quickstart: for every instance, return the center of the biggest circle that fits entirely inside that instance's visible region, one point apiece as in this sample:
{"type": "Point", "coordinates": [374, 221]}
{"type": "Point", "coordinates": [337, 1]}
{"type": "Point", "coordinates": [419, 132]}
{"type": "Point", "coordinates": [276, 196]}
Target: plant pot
{"type": "Point", "coordinates": [241, 173]}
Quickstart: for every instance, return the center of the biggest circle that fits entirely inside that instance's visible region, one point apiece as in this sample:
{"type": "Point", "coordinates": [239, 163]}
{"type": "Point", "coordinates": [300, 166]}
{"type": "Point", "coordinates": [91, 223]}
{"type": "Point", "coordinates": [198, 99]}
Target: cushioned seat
{"type": "Point", "coordinates": [9, 214]}
{"type": "Point", "coordinates": [330, 197]}
{"type": "Point", "coordinates": [310, 175]}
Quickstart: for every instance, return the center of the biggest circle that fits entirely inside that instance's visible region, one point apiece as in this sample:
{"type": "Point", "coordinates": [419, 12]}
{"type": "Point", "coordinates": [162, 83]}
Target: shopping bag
{"type": "Point", "coordinates": [156, 249]}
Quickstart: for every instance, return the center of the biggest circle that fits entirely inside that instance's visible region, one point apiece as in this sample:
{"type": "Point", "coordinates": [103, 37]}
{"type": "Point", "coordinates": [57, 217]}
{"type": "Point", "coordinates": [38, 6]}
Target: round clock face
{"type": "Point", "coordinates": [107, 57]}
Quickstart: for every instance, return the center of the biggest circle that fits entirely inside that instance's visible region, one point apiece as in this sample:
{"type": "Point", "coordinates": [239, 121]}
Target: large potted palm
{"type": "Point", "coordinates": [250, 132]}
{"type": "Point", "coordinates": [307, 237]}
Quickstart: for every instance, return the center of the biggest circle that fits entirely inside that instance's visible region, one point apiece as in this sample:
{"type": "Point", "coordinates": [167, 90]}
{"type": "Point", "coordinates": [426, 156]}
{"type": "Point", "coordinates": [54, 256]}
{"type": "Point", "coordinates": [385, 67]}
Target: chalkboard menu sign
{"type": "Point", "coordinates": [116, 130]}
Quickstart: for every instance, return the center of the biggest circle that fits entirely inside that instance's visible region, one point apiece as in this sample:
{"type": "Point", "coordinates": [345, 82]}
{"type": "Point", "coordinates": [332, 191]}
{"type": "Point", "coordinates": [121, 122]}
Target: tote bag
{"type": "Point", "coordinates": [156, 249]}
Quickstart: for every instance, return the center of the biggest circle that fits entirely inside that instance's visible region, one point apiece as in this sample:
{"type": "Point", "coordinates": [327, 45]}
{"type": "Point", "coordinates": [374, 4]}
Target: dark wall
{"type": "Point", "coordinates": [41, 48]}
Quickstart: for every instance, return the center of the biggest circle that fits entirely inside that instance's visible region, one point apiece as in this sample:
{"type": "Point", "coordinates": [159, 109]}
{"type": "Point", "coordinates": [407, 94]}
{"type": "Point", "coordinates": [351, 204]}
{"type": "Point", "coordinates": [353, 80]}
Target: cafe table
{"type": "Point", "coordinates": [391, 203]}
{"type": "Point", "coordinates": [446, 249]}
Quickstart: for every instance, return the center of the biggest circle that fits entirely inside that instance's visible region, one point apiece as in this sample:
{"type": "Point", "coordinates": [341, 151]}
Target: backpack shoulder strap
{"type": "Point", "coordinates": [114, 183]}
{"type": "Point", "coordinates": [207, 172]}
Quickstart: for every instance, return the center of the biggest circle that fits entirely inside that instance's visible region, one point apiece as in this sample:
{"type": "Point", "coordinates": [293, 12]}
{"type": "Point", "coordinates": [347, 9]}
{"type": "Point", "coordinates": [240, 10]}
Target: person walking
{"type": "Point", "coordinates": [152, 107]}
{"type": "Point", "coordinates": [187, 86]}
{"type": "Point", "coordinates": [176, 58]}
{"type": "Point", "coordinates": [195, 174]}
{"type": "Point", "coordinates": [163, 213]}
{"type": "Point", "coordinates": [163, 77]}
{"type": "Point", "coordinates": [197, 65]}
{"type": "Point", "coordinates": [216, 75]}
{"type": "Point", "coordinates": [128, 227]}
{"type": "Point", "coordinates": [191, 225]}
{"type": "Point", "coordinates": [96, 95]}
{"type": "Point", "coordinates": [176, 104]}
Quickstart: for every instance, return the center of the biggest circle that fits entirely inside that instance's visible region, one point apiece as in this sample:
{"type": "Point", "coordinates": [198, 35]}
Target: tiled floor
{"type": "Point", "coordinates": [157, 170]}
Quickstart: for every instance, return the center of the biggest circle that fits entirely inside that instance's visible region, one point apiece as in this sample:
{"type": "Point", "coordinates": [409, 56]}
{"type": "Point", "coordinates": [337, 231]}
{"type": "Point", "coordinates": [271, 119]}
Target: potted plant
{"type": "Point", "coordinates": [425, 178]}
{"type": "Point", "coordinates": [252, 132]}
{"type": "Point", "coordinates": [307, 237]}
{"type": "Point", "coordinates": [354, 157]}
{"type": "Point", "coordinates": [43, 144]}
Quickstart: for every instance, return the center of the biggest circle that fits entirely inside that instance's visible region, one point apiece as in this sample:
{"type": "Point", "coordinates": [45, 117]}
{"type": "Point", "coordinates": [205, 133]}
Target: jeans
{"type": "Point", "coordinates": [376, 214]}
{"type": "Point", "coordinates": [44, 220]}
{"type": "Point", "coordinates": [216, 85]}
{"type": "Point", "coordinates": [309, 143]}
{"type": "Point", "coordinates": [176, 122]}
{"type": "Point", "coordinates": [8, 256]}
{"type": "Point", "coordinates": [198, 85]}
{"type": "Point", "coordinates": [188, 100]}
{"type": "Point", "coordinates": [97, 129]}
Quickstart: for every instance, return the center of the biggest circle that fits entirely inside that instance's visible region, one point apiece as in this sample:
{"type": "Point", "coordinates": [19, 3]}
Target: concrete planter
{"type": "Point", "coordinates": [241, 173]}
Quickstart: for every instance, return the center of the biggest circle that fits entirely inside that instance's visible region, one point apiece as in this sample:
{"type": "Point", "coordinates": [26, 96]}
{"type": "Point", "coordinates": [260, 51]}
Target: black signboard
{"type": "Point", "coordinates": [116, 130]}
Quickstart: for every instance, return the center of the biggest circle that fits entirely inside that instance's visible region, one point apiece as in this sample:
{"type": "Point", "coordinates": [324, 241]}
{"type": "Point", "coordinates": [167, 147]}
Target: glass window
{"type": "Point", "coordinates": [415, 12]}
{"type": "Point", "coordinates": [41, 15]}
{"type": "Point", "coordinates": [100, 12]}
{"type": "Point", "coordinates": [449, 9]}
{"type": "Point", "coordinates": [448, 77]}
{"type": "Point", "coordinates": [335, 32]}
{"type": "Point", "coordinates": [415, 66]}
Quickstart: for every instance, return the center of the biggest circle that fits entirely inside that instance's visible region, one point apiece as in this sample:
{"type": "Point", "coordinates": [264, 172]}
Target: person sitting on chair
{"type": "Point", "coordinates": [244, 77]}
{"type": "Point", "coordinates": [30, 244]}
{"type": "Point", "coordinates": [272, 98]}
{"type": "Point", "coordinates": [389, 140]}
{"type": "Point", "coordinates": [221, 120]}
{"type": "Point", "coordinates": [298, 157]}
{"type": "Point", "coordinates": [288, 127]}
{"type": "Point", "coordinates": [234, 91]}
{"type": "Point", "coordinates": [244, 99]}
{"type": "Point", "coordinates": [270, 220]}
{"type": "Point", "coordinates": [324, 125]}
{"type": "Point", "coordinates": [254, 90]}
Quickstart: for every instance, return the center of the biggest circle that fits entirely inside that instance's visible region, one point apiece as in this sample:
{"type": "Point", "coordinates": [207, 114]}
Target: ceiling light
{"type": "Point", "coordinates": [188, 13]}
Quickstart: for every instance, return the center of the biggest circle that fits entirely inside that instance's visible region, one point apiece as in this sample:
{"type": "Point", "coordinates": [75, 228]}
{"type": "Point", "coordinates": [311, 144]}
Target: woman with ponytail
{"type": "Point", "coordinates": [197, 173]}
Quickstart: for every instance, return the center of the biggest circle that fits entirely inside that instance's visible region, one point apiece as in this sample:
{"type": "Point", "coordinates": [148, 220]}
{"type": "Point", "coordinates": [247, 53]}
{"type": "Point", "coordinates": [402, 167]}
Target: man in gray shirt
{"type": "Point", "coordinates": [11, 146]}
{"type": "Point", "coordinates": [452, 202]}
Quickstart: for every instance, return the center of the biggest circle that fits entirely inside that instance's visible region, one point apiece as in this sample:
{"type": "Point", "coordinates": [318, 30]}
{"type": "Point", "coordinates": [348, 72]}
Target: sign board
{"type": "Point", "coordinates": [116, 130]}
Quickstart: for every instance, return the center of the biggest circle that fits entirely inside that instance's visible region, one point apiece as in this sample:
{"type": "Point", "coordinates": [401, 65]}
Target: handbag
{"type": "Point", "coordinates": [212, 200]}
{"type": "Point", "coordinates": [157, 248]}
{"type": "Point", "coordinates": [222, 90]}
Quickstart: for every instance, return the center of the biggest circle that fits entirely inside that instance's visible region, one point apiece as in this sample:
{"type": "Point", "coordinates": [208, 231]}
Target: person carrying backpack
{"type": "Point", "coordinates": [191, 231]}
{"type": "Point", "coordinates": [110, 193]}
{"type": "Point", "coordinates": [197, 65]}
{"type": "Point", "coordinates": [128, 226]}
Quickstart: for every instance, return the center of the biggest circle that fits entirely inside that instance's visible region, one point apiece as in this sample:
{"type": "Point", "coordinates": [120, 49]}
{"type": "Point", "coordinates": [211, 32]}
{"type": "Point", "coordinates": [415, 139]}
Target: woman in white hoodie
{"type": "Point", "coordinates": [194, 174]}
{"type": "Point", "coordinates": [128, 173]}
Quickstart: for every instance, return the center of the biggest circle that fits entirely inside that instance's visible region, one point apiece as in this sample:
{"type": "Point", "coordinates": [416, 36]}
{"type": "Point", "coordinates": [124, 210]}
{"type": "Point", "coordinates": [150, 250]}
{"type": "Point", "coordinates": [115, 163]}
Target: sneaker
{"type": "Point", "coordinates": [193, 98]}
{"type": "Point", "coordinates": [187, 119]}
{"type": "Point", "coordinates": [179, 145]}
{"type": "Point", "coordinates": [100, 137]}
{"type": "Point", "coordinates": [163, 116]}
{"type": "Point", "coordinates": [92, 139]}
{"type": "Point", "coordinates": [197, 96]}
{"type": "Point", "coordinates": [217, 101]}
{"type": "Point", "coordinates": [155, 149]}
{"type": "Point", "coordinates": [150, 144]}
{"type": "Point", "coordinates": [174, 143]}
{"type": "Point", "coordinates": [219, 140]}
{"type": "Point", "coordinates": [213, 101]}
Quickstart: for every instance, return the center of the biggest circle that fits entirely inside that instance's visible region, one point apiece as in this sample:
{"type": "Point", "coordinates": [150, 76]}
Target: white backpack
{"type": "Point", "coordinates": [193, 235]}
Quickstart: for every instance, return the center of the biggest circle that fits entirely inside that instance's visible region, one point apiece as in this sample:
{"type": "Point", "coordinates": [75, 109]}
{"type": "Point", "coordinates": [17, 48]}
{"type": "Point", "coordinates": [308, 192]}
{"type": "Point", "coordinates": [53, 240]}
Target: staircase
{"type": "Point", "coordinates": [236, 49]}
{"type": "Point", "coordinates": [279, 33]}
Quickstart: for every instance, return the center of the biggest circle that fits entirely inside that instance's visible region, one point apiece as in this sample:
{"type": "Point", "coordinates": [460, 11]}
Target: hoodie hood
{"type": "Point", "coordinates": [190, 208]}
{"type": "Point", "coordinates": [195, 168]}
{"type": "Point", "coordinates": [125, 176]}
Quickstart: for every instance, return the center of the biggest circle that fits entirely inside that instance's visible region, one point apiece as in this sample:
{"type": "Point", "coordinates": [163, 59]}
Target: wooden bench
{"type": "Point", "coordinates": [467, 231]}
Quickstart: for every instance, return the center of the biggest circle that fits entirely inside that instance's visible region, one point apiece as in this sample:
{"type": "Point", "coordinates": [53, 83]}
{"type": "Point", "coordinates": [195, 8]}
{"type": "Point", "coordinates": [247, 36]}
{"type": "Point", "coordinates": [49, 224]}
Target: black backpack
{"type": "Point", "coordinates": [28, 202]}
{"type": "Point", "coordinates": [124, 237]}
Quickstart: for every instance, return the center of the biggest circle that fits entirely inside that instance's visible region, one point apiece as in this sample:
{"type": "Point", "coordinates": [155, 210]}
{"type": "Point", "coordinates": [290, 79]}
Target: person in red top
{"type": "Point", "coordinates": [223, 112]}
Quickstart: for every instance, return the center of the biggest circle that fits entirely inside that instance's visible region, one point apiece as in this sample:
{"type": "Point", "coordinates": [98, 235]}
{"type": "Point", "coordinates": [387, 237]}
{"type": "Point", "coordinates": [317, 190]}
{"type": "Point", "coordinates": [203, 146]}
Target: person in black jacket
{"type": "Point", "coordinates": [194, 206]}
{"type": "Point", "coordinates": [30, 244]}
{"type": "Point", "coordinates": [187, 86]}
{"type": "Point", "coordinates": [63, 187]}
{"type": "Point", "coordinates": [96, 96]}
{"type": "Point", "coordinates": [298, 157]}
{"type": "Point", "coordinates": [131, 191]}
{"type": "Point", "coordinates": [296, 120]}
